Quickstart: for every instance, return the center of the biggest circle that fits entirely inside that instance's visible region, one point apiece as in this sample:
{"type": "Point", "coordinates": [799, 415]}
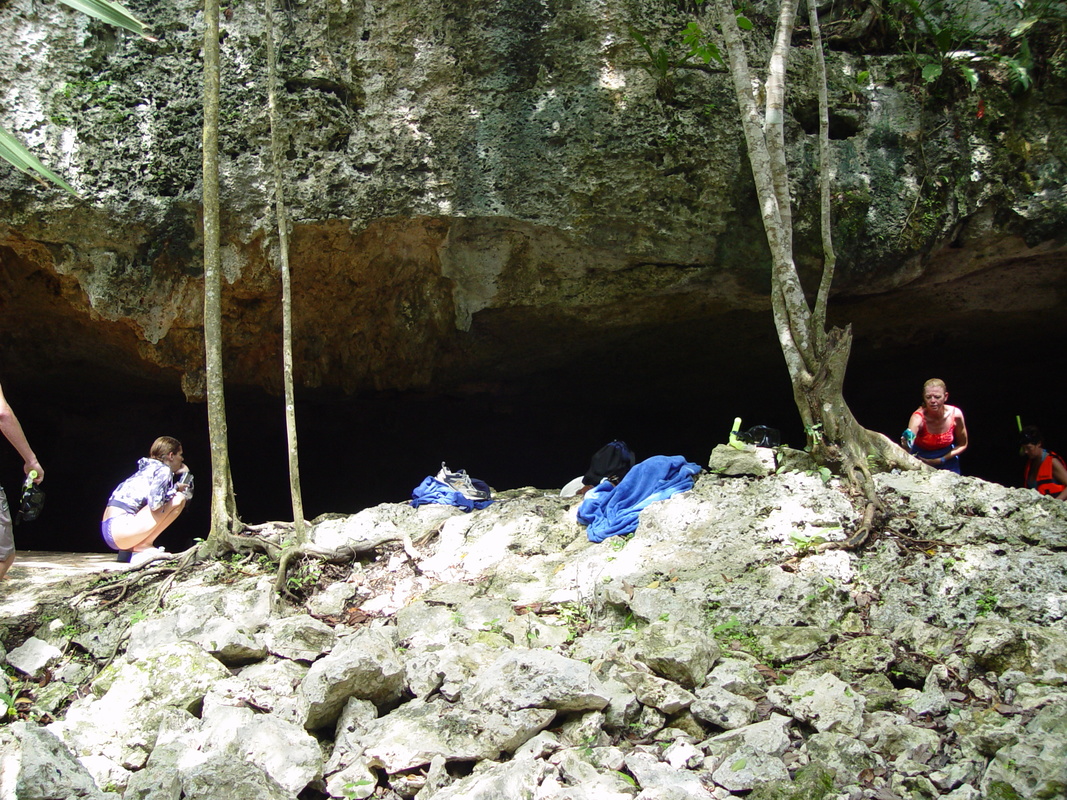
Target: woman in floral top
{"type": "Point", "coordinates": [144, 504]}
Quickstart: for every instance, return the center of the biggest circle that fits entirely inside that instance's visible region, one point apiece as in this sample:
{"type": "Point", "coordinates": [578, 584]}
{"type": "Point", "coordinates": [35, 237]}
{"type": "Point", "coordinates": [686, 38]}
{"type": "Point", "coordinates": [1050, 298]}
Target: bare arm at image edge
{"type": "Point", "coordinates": [12, 430]}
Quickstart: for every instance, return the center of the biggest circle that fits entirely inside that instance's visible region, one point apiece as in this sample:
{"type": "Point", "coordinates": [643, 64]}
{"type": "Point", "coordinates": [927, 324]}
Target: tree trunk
{"type": "Point", "coordinates": [223, 506]}
{"type": "Point", "coordinates": [816, 359]}
{"type": "Point", "coordinates": [287, 293]}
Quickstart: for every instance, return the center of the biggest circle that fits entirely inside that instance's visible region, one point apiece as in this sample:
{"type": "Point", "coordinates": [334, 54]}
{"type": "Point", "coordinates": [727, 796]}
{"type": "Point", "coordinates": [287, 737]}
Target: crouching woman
{"type": "Point", "coordinates": [147, 502]}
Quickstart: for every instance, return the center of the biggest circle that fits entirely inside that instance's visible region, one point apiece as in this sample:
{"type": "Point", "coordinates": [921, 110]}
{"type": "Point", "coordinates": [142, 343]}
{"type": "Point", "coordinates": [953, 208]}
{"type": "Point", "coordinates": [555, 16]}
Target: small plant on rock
{"type": "Point", "coordinates": [986, 603]}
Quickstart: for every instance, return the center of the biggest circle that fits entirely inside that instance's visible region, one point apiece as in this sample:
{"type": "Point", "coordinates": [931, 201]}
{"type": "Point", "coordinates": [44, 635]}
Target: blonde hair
{"type": "Point", "coordinates": [934, 382]}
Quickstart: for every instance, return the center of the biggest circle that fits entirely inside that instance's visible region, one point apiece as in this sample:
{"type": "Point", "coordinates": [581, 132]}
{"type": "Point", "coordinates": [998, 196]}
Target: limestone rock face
{"type": "Point", "coordinates": [708, 655]}
{"type": "Point", "coordinates": [486, 189]}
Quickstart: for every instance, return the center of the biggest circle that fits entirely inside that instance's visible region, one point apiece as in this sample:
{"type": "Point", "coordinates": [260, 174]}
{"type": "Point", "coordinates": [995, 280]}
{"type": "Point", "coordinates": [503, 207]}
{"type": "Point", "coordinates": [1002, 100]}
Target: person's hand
{"type": "Point", "coordinates": [29, 466]}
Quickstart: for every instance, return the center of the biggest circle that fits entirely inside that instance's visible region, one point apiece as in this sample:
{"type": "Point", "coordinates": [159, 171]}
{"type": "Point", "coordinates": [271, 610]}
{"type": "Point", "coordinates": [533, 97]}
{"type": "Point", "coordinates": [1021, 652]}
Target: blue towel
{"type": "Point", "coordinates": [613, 510]}
{"type": "Point", "coordinates": [432, 490]}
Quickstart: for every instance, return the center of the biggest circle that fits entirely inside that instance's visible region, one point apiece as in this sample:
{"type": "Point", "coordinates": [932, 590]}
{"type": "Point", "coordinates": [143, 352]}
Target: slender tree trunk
{"type": "Point", "coordinates": [287, 293]}
{"type": "Point", "coordinates": [825, 178]}
{"type": "Point", "coordinates": [816, 359]}
{"type": "Point", "coordinates": [223, 506]}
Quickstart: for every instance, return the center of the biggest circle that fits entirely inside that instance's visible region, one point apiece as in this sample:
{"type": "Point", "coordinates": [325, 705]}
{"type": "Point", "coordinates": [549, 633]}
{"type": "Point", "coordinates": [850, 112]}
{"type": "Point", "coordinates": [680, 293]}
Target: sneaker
{"type": "Point", "coordinates": [123, 556]}
{"type": "Point", "coordinates": [143, 556]}
{"type": "Point", "coordinates": [461, 482]}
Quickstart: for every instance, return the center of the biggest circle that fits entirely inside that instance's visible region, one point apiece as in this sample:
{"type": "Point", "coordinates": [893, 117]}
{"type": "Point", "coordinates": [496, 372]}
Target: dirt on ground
{"type": "Point", "coordinates": [39, 578]}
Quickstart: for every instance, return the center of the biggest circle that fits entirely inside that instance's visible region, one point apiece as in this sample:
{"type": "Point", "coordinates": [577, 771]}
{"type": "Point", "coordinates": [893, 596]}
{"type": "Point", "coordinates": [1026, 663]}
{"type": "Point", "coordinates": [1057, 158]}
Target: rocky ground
{"type": "Point", "coordinates": [722, 650]}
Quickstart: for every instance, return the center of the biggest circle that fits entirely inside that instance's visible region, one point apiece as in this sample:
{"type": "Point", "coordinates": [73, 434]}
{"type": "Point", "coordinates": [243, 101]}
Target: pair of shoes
{"type": "Point", "coordinates": [123, 556]}
{"type": "Point", "coordinates": [152, 553]}
{"type": "Point", "coordinates": [461, 482]}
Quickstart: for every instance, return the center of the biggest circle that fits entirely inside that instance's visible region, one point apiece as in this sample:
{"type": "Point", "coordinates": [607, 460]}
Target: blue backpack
{"type": "Point", "coordinates": [612, 461]}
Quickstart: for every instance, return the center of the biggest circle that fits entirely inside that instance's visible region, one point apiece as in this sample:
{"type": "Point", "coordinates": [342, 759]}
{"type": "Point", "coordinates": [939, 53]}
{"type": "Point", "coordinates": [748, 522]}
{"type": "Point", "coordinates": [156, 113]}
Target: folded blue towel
{"type": "Point", "coordinates": [432, 490]}
{"type": "Point", "coordinates": [613, 510]}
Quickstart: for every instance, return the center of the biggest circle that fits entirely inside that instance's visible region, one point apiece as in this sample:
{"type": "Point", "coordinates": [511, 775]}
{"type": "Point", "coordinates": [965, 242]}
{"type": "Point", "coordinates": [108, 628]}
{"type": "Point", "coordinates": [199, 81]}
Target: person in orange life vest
{"type": "Point", "coordinates": [938, 433]}
{"type": "Point", "coordinates": [1044, 470]}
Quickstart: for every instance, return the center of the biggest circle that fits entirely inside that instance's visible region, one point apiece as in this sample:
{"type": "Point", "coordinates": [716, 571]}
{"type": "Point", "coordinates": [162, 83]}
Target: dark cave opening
{"type": "Point", "coordinates": [537, 431]}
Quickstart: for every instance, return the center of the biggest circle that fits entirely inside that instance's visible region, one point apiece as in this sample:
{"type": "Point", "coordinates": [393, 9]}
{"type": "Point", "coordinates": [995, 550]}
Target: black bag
{"type": "Point", "coordinates": [761, 436]}
{"type": "Point", "coordinates": [612, 461]}
{"type": "Point", "coordinates": [32, 503]}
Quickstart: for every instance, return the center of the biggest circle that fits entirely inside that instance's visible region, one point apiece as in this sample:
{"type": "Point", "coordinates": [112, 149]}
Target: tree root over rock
{"type": "Point", "coordinates": [858, 538]}
{"type": "Point", "coordinates": [340, 555]}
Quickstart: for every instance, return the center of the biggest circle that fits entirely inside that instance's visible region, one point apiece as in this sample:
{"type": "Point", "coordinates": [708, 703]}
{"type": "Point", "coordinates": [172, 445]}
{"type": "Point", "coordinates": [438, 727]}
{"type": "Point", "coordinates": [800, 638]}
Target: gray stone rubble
{"type": "Point", "coordinates": [715, 653]}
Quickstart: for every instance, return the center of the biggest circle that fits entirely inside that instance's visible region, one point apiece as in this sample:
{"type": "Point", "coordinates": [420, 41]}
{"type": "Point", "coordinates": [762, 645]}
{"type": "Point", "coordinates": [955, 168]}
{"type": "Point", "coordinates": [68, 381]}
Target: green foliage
{"type": "Point", "coordinates": [1036, 12]}
{"type": "Point", "coordinates": [736, 636]}
{"type": "Point", "coordinates": [663, 62]}
{"type": "Point", "coordinates": [350, 788]}
{"type": "Point", "coordinates": [586, 746]}
{"type": "Point", "coordinates": [627, 778]}
{"type": "Point", "coordinates": [813, 433]}
{"type": "Point", "coordinates": [986, 603]}
{"type": "Point", "coordinates": [824, 588]}
{"type": "Point", "coordinates": [304, 577]}
{"type": "Point", "coordinates": [822, 472]}
{"type": "Point", "coordinates": [69, 631]}
{"type": "Point", "coordinates": [661, 65]}
{"type": "Point", "coordinates": [9, 703]}
{"type": "Point", "coordinates": [576, 617]}
{"type": "Point", "coordinates": [950, 37]}
{"type": "Point", "coordinates": [702, 46]}
{"type": "Point", "coordinates": [806, 544]}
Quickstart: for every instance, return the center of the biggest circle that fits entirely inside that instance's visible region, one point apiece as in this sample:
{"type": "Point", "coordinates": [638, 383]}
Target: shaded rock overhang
{"type": "Point", "coordinates": [506, 200]}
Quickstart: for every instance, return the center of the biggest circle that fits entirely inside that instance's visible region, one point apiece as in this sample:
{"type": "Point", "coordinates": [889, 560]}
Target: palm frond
{"type": "Point", "coordinates": [112, 13]}
{"type": "Point", "coordinates": [15, 153]}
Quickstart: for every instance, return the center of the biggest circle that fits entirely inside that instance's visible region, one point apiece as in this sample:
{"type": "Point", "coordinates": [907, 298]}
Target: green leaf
{"type": "Point", "coordinates": [738, 765]}
{"type": "Point", "coordinates": [744, 23]}
{"type": "Point", "coordinates": [971, 76]}
{"type": "Point", "coordinates": [1023, 27]}
{"type": "Point", "coordinates": [931, 72]}
{"type": "Point", "coordinates": [626, 778]}
{"type": "Point", "coordinates": [111, 13]}
{"type": "Point", "coordinates": [944, 40]}
{"type": "Point", "coordinates": [15, 153]}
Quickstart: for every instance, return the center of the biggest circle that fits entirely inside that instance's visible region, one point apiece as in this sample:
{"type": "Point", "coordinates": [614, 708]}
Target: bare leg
{"type": "Point", "coordinates": [5, 565]}
{"type": "Point", "coordinates": [138, 531]}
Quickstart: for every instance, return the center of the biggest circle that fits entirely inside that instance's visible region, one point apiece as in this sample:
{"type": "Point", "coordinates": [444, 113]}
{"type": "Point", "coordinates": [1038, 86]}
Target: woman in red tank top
{"type": "Point", "coordinates": [938, 432]}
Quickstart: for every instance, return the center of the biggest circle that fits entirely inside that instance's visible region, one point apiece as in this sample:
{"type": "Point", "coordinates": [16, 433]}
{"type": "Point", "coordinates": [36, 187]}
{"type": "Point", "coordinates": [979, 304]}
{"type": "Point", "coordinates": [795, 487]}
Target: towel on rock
{"type": "Point", "coordinates": [432, 490]}
{"type": "Point", "coordinates": [613, 510]}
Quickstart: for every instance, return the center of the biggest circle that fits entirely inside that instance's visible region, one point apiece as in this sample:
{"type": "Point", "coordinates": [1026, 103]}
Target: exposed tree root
{"type": "Point", "coordinates": [135, 576]}
{"type": "Point", "coordinates": [340, 555]}
{"type": "Point", "coordinates": [859, 536]}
